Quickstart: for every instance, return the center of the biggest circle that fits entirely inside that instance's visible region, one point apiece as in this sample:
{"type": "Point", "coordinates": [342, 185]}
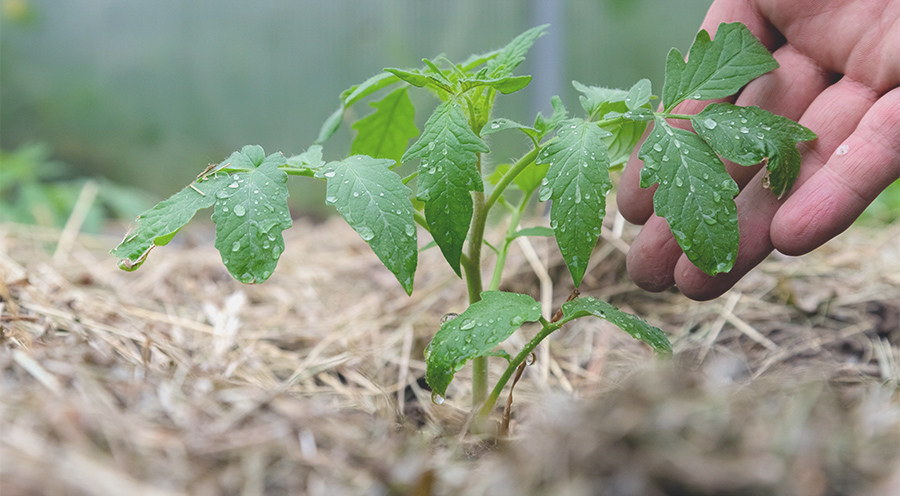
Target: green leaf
{"type": "Point", "coordinates": [577, 182]}
{"type": "Point", "coordinates": [505, 85]}
{"type": "Point", "coordinates": [307, 163]}
{"type": "Point", "coordinates": [750, 135]}
{"type": "Point", "coordinates": [375, 202]}
{"type": "Point", "coordinates": [531, 178]}
{"type": "Point", "coordinates": [448, 172]}
{"type": "Point", "coordinates": [514, 52]}
{"type": "Point", "coordinates": [695, 195]}
{"type": "Point", "coordinates": [533, 231]}
{"type": "Point", "coordinates": [715, 69]}
{"type": "Point", "coordinates": [386, 132]}
{"type": "Point", "coordinates": [637, 327]}
{"type": "Point", "coordinates": [639, 95]}
{"type": "Point", "coordinates": [545, 125]}
{"type": "Point", "coordinates": [474, 333]}
{"type": "Point", "coordinates": [502, 124]}
{"type": "Point", "coordinates": [420, 80]}
{"type": "Point", "coordinates": [250, 214]}
{"type": "Point", "coordinates": [618, 119]}
{"type": "Point", "coordinates": [369, 86]}
{"type": "Point", "coordinates": [331, 124]}
{"type": "Point", "coordinates": [157, 226]}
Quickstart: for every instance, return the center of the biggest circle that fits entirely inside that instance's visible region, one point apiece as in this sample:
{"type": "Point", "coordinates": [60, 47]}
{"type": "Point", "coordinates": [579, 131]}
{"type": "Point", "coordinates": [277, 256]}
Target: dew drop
{"type": "Point", "coordinates": [436, 398]}
{"type": "Point", "coordinates": [329, 173]}
{"type": "Point", "coordinates": [431, 146]}
{"type": "Point", "coordinates": [842, 150]}
{"type": "Point", "coordinates": [410, 230]}
{"type": "Point", "coordinates": [447, 318]}
{"type": "Point", "coordinates": [678, 181]}
{"type": "Point", "coordinates": [744, 130]}
{"type": "Point", "coordinates": [495, 125]}
{"type": "Point", "coordinates": [516, 321]}
{"type": "Point", "coordinates": [467, 324]}
{"type": "Point", "coordinates": [233, 185]}
{"type": "Point", "coordinates": [709, 124]}
{"type": "Point", "coordinates": [239, 210]}
{"type": "Point", "coordinates": [365, 233]}
{"type": "Point", "coordinates": [657, 147]}
{"type": "Point", "coordinates": [236, 246]}
{"type": "Point", "coordinates": [665, 158]}
{"type": "Point", "coordinates": [554, 224]}
{"type": "Point", "coordinates": [677, 144]}
{"type": "Point", "coordinates": [577, 193]}
{"type": "Point", "coordinates": [697, 96]}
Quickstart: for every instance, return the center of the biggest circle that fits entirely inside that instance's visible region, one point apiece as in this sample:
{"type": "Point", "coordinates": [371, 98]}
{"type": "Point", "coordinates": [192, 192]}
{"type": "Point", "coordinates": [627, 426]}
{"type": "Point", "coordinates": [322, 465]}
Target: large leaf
{"type": "Point", "coordinates": [577, 182]}
{"type": "Point", "coordinates": [386, 132]}
{"type": "Point", "coordinates": [250, 214]}
{"type": "Point", "coordinates": [474, 333]}
{"type": "Point", "coordinates": [448, 172]}
{"type": "Point", "coordinates": [157, 226]}
{"type": "Point", "coordinates": [715, 69]}
{"type": "Point", "coordinates": [375, 202]}
{"type": "Point", "coordinates": [695, 195]}
{"type": "Point", "coordinates": [637, 327]}
{"type": "Point", "coordinates": [750, 135]}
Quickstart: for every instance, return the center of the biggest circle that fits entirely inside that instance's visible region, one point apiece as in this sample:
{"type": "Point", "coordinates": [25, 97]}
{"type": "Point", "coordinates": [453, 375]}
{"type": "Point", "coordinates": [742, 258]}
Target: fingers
{"type": "Point", "coordinates": [834, 115]}
{"type": "Point", "coordinates": [835, 195]}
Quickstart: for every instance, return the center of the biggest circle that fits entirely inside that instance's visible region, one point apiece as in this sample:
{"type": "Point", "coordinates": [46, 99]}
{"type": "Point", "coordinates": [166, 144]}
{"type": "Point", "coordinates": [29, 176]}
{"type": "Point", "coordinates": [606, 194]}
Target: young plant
{"type": "Point", "coordinates": [568, 164]}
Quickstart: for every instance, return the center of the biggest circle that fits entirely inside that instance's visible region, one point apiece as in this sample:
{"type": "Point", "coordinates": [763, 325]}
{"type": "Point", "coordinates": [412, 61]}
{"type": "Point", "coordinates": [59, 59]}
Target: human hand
{"type": "Point", "coordinates": [839, 75]}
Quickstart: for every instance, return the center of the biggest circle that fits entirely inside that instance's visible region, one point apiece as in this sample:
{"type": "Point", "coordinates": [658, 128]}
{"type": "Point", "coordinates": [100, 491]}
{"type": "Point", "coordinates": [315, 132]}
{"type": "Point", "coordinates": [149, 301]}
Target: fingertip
{"type": "Point", "coordinates": [651, 260]}
{"type": "Point", "coordinates": [635, 203]}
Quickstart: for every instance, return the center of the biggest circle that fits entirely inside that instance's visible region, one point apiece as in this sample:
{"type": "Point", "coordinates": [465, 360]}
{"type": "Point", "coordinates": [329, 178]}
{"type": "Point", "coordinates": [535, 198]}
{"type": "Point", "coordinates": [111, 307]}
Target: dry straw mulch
{"type": "Point", "coordinates": [176, 379]}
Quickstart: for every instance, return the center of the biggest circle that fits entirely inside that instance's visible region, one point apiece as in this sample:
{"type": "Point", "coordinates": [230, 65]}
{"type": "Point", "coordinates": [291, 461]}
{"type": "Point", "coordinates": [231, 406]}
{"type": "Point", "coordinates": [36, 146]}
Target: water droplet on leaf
{"type": "Point", "coordinates": [467, 324]}
{"type": "Point", "coordinates": [236, 246]}
{"type": "Point", "coordinates": [239, 210]}
{"type": "Point", "coordinates": [365, 233]}
{"type": "Point", "coordinates": [436, 398]}
{"type": "Point", "coordinates": [709, 124]}
{"type": "Point", "coordinates": [657, 147]}
{"type": "Point", "coordinates": [516, 321]}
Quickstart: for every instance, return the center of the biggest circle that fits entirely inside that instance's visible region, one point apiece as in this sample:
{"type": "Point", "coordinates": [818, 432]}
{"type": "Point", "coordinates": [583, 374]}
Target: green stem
{"type": "Point", "coordinates": [507, 179]}
{"type": "Point", "coordinates": [504, 250]}
{"type": "Point", "coordinates": [488, 405]}
{"type": "Point", "coordinates": [471, 265]}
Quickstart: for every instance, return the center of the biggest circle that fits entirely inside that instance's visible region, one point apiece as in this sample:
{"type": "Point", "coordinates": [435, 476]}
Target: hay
{"type": "Point", "coordinates": [176, 379]}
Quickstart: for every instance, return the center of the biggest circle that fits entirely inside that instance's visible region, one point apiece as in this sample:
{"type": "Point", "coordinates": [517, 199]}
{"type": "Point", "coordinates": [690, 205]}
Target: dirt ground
{"type": "Point", "coordinates": [176, 379]}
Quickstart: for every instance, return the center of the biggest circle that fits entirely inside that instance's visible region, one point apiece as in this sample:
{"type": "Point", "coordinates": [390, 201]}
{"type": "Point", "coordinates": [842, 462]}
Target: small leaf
{"type": "Point", "coordinates": [545, 125]}
{"type": "Point", "coordinates": [610, 104]}
{"type": "Point", "coordinates": [695, 195]}
{"type": "Point", "coordinates": [250, 214]}
{"type": "Point", "coordinates": [375, 203]}
{"type": "Point", "coordinates": [577, 182]}
{"type": "Point", "coordinates": [331, 124]}
{"type": "Point", "coordinates": [639, 95]}
{"type": "Point", "coordinates": [502, 124]}
{"type": "Point", "coordinates": [386, 132]}
{"type": "Point", "coordinates": [307, 163]}
{"type": "Point", "coordinates": [514, 52]}
{"type": "Point", "coordinates": [637, 327]}
{"type": "Point", "coordinates": [506, 85]}
{"type": "Point", "coordinates": [715, 69]}
{"type": "Point", "coordinates": [749, 135]}
{"type": "Point", "coordinates": [597, 101]}
{"type": "Point", "coordinates": [475, 333]}
{"type": "Point", "coordinates": [357, 92]}
{"type": "Point", "coordinates": [420, 80]}
{"type": "Point", "coordinates": [448, 172]}
{"type": "Point", "coordinates": [157, 226]}
{"type": "Point", "coordinates": [533, 231]}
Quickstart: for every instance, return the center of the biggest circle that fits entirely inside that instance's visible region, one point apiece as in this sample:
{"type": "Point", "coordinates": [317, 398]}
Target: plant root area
{"type": "Point", "coordinates": [176, 379]}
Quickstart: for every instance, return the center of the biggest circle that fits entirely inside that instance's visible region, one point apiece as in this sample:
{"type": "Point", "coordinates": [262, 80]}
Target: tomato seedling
{"type": "Point", "coordinates": [568, 164]}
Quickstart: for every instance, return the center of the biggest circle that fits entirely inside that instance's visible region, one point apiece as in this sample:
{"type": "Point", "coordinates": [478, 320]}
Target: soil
{"type": "Point", "coordinates": [176, 379]}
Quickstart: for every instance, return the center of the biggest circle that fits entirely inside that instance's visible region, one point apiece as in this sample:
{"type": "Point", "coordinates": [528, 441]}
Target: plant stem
{"type": "Point", "coordinates": [471, 265]}
{"type": "Point", "coordinates": [488, 405]}
{"type": "Point", "coordinates": [504, 250]}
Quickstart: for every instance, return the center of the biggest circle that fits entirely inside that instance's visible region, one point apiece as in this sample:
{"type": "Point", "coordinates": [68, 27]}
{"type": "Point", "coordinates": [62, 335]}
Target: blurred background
{"type": "Point", "coordinates": [144, 94]}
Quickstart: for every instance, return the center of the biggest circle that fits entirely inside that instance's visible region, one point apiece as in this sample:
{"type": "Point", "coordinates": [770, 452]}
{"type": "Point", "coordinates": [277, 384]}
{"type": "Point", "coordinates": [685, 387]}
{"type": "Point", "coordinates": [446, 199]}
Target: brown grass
{"type": "Point", "coordinates": [176, 379]}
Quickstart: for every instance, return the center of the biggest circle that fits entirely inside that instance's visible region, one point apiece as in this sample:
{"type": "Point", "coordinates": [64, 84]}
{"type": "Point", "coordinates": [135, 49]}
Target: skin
{"type": "Point", "coordinates": [839, 75]}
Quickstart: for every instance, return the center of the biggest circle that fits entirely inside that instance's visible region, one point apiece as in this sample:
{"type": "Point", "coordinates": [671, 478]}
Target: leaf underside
{"type": "Point", "coordinates": [474, 333]}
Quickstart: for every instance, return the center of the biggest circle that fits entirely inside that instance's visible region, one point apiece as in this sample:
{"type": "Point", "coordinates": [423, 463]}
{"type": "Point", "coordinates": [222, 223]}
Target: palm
{"type": "Point", "coordinates": [839, 76]}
